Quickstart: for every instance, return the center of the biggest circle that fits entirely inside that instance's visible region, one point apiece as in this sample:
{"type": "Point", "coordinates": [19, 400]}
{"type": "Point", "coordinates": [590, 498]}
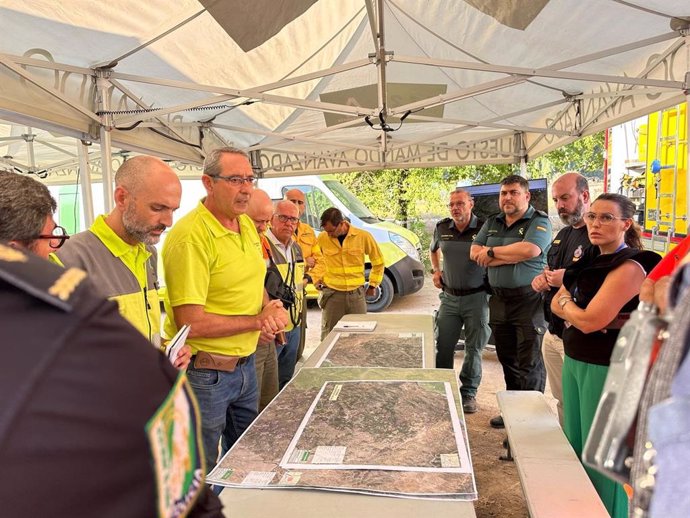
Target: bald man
{"type": "Point", "coordinates": [313, 259]}
{"type": "Point", "coordinates": [117, 251]}
{"type": "Point", "coordinates": [260, 210]}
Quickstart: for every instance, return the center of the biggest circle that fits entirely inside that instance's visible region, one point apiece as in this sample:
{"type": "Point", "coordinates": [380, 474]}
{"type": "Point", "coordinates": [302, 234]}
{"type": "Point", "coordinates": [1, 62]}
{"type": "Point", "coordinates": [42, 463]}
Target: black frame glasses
{"type": "Point", "coordinates": [57, 238]}
{"type": "Point", "coordinates": [237, 180]}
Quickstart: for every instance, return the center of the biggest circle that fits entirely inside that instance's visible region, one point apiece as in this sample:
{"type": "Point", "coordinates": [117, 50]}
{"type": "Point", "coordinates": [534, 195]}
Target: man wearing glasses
{"type": "Point", "coordinates": [344, 250]}
{"type": "Point", "coordinates": [286, 255]}
{"type": "Point", "coordinates": [313, 259]}
{"type": "Point", "coordinates": [117, 250]}
{"type": "Point", "coordinates": [464, 301]}
{"type": "Point", "coordinates": [214, 272]}
{"type": "Point", "coordinates": [26, 215]}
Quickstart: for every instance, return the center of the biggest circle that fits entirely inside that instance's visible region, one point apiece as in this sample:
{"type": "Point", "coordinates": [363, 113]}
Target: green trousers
{"type": "Point", "coordinates": [582, 387]}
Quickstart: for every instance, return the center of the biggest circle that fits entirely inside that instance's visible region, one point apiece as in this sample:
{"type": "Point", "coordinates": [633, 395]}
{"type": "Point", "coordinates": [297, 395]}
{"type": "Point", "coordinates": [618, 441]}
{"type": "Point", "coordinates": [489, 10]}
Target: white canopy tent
{"type": "Point", "coordinates": [314, 86]}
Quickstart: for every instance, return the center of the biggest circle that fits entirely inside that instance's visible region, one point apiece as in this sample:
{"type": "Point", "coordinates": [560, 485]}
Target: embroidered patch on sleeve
{"type": "Point", "coordinates": [174, 435]}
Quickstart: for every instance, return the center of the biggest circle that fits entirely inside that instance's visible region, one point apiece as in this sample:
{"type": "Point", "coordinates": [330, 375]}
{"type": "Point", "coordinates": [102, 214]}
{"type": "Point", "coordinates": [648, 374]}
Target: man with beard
{"type": "Point", "coordinates": [464, 301]}
{"type": "Point", "coordinates": [513, 245]}
{"type": "Point", "coordinates": [117, 251]}
{"type": "Point", "coordinates": [570, 194]}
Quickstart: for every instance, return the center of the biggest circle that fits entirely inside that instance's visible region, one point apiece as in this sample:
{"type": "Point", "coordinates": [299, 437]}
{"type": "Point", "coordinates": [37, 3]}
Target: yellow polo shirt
{"type": "Point", "coordinates": [206, 264]}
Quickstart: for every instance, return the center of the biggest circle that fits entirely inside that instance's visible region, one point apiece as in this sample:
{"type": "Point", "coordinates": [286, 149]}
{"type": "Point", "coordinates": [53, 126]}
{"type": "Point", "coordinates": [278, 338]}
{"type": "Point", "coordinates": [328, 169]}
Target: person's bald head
{"type": "Point", "coordinates": [297, 197]}
{"type": "Point", "coordinates": [147, 191]}
{"type": "Point", "coordinates": [260, 209]}
{"type": "Point", "coordinates": [570, 194]}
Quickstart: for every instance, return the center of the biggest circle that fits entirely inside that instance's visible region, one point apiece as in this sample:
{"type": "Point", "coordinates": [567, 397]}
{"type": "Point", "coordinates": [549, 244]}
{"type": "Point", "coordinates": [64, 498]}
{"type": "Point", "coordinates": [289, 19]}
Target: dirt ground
{"type": "Point", "coordinates": [497, 481]}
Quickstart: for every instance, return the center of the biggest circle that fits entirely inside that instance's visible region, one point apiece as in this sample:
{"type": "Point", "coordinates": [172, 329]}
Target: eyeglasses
{"type": "Point", "coordinates": [604, 219]}
{"type": "Point", "coordinates": [57, 238]}
{"type": "Point", "coordinates": [287, 219]}
{"type": "Point", "coordinates": [236, 180]}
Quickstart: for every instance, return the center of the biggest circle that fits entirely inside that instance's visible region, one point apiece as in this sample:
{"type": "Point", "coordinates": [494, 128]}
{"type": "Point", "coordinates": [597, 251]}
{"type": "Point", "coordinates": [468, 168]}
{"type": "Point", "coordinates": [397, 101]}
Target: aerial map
{"type": "Point", "coordinates": [392, 432]}
{"type": "Point", "coordinates": [396, 350]}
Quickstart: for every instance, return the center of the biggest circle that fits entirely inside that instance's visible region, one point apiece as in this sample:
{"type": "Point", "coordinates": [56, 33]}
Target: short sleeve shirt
{"type": "Point", "coordinates": [459, 272]}
{"type": "Point", "coordinates": [209, 265]}
{"type": "Point", "coordinates": [534, 227]}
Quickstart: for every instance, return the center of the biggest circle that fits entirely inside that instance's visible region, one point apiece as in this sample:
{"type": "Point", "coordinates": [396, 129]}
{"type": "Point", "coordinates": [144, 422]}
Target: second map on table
{"type": "Point", "coordinates": [395, 350]}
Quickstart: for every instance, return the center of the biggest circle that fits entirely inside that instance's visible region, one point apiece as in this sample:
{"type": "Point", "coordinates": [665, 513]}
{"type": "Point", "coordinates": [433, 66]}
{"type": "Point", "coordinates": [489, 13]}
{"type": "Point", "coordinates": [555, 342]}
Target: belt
{"type": "Point", "coordinates": [462, 293]}
{"type": "Point", "coordinates": [513, 292]}
{"type": "Point", "coordinates": [217, 362]}
{"type": "Point", "coordinates": [618, 322]}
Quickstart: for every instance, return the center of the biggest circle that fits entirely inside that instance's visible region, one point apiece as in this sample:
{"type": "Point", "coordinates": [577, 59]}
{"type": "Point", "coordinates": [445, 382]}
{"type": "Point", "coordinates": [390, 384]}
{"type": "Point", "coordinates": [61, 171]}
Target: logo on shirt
{"type": "Point", "coordinates": [577, 253]}
{"type": "Point", "coordinates": [539, 227]}
{"type": "Point", "coordinates": [522, 231]}
{"type": "Point", "coordinates": [474, 236]}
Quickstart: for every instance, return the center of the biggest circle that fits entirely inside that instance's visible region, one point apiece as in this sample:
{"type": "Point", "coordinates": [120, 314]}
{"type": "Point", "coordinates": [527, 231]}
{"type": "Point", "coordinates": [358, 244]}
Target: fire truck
{"type": "Point", "coordinates": [648, 162]}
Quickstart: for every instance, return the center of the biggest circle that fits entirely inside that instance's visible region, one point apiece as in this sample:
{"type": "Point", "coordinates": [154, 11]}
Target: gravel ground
{"type": "Point", "coordinates": [497, 481]}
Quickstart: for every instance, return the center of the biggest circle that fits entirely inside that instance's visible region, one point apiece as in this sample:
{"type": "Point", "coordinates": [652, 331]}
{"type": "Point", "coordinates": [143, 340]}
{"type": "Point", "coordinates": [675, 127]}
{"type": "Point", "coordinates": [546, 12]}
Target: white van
{"type": "Point", "coordinates": [401, 249]}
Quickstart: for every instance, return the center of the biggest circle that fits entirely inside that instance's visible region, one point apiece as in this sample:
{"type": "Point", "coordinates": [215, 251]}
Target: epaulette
{"type": "Point", "coordinates": [443, 221]}
{"type": "Point", "coordinates": [541, 213]}
{"type": "Point", "coordinates": [39, 278]}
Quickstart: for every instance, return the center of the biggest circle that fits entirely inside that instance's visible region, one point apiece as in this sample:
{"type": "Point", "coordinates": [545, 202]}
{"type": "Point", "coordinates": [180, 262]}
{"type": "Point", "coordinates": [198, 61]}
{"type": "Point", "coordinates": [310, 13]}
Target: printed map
{"type": "Point", "coordinates": [377, 431]}
{"type": "Point", "coordinates": [396, 350]}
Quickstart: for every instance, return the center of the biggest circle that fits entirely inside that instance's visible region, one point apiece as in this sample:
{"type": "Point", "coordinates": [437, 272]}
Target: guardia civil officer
{"type": "Point", "coordinates": [93, 420]}
{"type": "Point", "coordinates": [464, 301]}
{"type": "Point", "coordinates": [513, 246]}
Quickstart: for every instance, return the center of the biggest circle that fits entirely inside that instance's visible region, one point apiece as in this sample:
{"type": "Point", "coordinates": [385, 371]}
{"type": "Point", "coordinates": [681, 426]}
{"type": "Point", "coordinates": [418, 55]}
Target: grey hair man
{"type": "Point", "coordinates": [464, 300]}
{"type": "Point", "coordinates": [570, 194]}
{"type": "Point", "coordinates": [26, 215]}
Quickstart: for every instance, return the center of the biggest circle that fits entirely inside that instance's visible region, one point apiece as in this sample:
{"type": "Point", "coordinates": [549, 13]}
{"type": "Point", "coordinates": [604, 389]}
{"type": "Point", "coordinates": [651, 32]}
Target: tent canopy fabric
{"type": "Point", "coordinates": [314, 86]}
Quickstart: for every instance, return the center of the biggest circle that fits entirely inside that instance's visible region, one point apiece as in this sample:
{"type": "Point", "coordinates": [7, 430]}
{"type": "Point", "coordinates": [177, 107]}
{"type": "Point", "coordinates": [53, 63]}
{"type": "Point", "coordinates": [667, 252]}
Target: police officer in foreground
{"type": "Point", "coordinates": [93, 420]}
{"type": "Point", "coordinates": [513, 246]}
{"type": "Point", "coordinates": [464, 300]}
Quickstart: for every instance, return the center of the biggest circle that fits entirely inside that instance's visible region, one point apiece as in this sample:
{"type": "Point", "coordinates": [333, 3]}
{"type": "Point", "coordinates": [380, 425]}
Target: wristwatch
{"type": "Point", "coordinates": [490, 252]}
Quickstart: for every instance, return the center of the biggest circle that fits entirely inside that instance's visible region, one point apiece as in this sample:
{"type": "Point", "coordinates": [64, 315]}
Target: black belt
{"type": "Point", "coordinates": [513, 292]}
{"type": "Point", "coordinates": [462, 293]}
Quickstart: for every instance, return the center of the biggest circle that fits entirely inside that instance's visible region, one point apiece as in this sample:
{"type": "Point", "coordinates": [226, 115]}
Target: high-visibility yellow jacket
{"type": "Point", "coordinates": [344, 264]}
{"type": "Point", "coordinates": [121, 272]}
{"type": "Point", "coordinates": [306, 239]}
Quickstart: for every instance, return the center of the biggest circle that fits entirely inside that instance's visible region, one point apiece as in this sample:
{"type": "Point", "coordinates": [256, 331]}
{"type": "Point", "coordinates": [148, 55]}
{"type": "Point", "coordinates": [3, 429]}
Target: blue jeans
{"type": "Point", "coordinates": [287, 356]}
{"type": "Point", "coordinates": [472, 311]}
{"type": "Point", "coordinates": [227, 404]}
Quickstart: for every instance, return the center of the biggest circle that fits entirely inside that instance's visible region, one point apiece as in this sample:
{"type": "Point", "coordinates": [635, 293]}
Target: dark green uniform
{"type": "Point", "coordinates": [94, 421]}
{"type": "Point", "coordinates": [516, 311]}
{"type": "Point", "coordinates": [464, 302]}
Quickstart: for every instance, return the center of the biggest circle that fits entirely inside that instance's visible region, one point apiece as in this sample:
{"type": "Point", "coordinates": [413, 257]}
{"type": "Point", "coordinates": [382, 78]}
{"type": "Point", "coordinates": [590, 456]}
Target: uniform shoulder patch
{"type": "Point", "coordinates": [174, 436]}
{"type": "Point", "coordinates": [39, 278]}
{"type": "Point", "coordinates": [443, 221]}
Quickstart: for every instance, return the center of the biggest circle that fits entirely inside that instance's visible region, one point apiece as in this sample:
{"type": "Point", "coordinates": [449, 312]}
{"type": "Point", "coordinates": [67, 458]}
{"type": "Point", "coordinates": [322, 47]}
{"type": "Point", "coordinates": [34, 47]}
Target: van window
{"type": "Point", "coordinates": [351, 201]}
{"type": "Point", "coordinates": [317, 202]}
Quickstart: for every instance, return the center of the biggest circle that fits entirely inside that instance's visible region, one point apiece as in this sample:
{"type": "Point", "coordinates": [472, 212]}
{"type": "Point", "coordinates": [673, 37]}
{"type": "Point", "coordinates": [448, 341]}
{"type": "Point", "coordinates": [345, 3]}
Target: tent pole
{"type": "Point", "coordinates": [102, 86]}
{"type": "Point", "coordinates": [85, 182]}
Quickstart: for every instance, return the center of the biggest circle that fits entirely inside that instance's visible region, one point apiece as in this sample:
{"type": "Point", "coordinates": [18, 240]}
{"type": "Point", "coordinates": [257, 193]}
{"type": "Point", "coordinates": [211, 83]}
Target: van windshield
{"type": "Point", "coordinates": [351, 202]}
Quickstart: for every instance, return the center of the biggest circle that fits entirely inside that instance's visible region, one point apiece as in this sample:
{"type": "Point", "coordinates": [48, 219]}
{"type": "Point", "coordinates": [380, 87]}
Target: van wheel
{"type": "Point", "coordinates": [383, 297]}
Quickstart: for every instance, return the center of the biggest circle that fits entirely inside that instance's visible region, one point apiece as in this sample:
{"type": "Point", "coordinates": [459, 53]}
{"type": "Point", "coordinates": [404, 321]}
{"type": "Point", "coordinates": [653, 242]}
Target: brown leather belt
{"type": "Point", "coordinates": [618, 322]}
{"type": "Point", "coordinates": [217, 362]}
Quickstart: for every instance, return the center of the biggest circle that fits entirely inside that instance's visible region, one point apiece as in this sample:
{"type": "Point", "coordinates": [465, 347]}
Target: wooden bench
{"type": "Point", "coordinates": [553, 480]}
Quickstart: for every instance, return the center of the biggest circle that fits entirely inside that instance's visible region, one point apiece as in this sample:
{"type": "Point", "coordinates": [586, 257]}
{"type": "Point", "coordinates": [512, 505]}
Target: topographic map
{"type": "Point", "coordinates": [396, 350]}
{"type": "Point", "coordinates": [393, 432]}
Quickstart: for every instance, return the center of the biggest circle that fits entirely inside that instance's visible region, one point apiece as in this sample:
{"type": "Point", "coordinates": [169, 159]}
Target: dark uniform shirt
{"type": "Point", "coordinates": [534, 227]}
{"type": "Point", "coordinates": [93, 420]}
{"type": "Point", "coordinates": [567, 248]}
{"type": "Point", "coordinates": [459, 272]}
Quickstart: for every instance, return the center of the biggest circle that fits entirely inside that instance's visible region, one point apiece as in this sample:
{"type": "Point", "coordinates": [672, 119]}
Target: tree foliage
{"type": "Point", "coordinates": [408, 194]}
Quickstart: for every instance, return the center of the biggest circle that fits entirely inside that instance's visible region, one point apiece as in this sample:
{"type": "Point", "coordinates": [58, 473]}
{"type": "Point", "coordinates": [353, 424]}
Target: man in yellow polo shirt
{"type": "Point", "coordinates": [344, 249]}
{"type": "Point", "coordinates": [117, 250]}
{"type": "Point", "coordinates": [214, 272]}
